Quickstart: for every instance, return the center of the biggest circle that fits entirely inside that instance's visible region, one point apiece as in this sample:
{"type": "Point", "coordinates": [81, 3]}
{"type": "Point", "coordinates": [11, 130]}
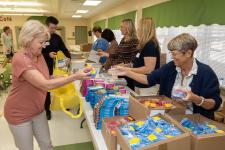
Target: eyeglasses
{"type": "Point", "coordinates": [174, 53]}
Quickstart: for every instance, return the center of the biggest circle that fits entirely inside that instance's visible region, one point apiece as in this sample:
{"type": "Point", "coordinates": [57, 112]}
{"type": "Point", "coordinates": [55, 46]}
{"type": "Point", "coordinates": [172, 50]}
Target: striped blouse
{"type": "Point", "coordinates": [127, 50]}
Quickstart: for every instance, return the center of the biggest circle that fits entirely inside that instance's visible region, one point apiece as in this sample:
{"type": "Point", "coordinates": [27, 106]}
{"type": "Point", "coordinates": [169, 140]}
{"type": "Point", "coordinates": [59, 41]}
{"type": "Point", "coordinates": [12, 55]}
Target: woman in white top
{"type": "Point", "coordinates": [7, 42]}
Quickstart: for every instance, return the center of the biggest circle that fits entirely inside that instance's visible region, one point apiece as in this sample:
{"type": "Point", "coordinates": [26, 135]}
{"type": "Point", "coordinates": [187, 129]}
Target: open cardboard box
{"type": "Point", "coordinates": [85, 47]}
{"type": "Point", "coordinates": [180, 142]}
{"type": "Point", "coordinates": [138, 110]}
{"type": "Point", "coordinates": [110, 140]}
{"type": "Point", "coordinates": [207, 141]}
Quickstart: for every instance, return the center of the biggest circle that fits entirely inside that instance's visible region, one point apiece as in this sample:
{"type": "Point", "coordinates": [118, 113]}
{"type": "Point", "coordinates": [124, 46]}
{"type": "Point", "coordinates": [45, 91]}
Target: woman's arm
{"type": "Point", "coordinates": [124, 71]}
{"type": "Point", "coordinates": [149, 66]}
{"type": "Point", "coordinates": [101, 53]}
{"type": "Point", "coordinates": [35, 78]}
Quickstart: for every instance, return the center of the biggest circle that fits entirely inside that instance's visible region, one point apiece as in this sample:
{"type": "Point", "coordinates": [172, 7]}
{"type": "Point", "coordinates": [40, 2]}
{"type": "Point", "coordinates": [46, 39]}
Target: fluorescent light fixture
{"type": "Point", "coordinates": [23, 14]}
{"type": "Point", "coordinates": [81, 11]}
{"type": "Point", "coordinates": [91, 3]}
{"type": "Point", "coordinates": [22, 10]}
{"type": "Point", "coordinates": [8, 3]}
{"type": "Point", "coordinates": [76, 16]}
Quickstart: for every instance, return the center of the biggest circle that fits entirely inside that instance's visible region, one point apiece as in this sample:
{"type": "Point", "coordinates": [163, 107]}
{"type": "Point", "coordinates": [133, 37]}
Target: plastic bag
{"type": "Point", "coordinates": [65, 96]}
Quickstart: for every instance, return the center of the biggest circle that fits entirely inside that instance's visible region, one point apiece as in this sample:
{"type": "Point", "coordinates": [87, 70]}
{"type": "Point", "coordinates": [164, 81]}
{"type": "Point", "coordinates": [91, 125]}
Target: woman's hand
{"type": "Point", "coordinates": [83, 73]}
{"type": "Point", "coordinates": [119, 71]}
{"type": "Point", "coordinates": [103, 54]}
{"type": "Point", "coordinates": [53, 55]}
{"type": "Point", "coordinates": [191, 97]}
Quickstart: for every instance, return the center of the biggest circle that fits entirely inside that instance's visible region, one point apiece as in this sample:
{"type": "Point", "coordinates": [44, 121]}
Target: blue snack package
{"type": "Point", "coordinates": [200, 128]}
{"type": "Point", "coordinates": [179, 94]}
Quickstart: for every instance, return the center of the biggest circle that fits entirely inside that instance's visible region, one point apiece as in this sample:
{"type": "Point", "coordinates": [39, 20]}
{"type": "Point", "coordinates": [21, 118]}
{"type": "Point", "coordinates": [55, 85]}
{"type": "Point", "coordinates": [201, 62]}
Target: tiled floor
{"type": "Point", "coordinates": [63, 129]}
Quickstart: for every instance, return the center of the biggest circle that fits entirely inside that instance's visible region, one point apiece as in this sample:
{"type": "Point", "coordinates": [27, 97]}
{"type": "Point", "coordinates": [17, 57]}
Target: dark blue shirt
{"type": "Point", "coordinates": [149, 50]}
{"type": "Point", "coordinates": [205, 83]}
{"type": "Point", "coordinates": [102, 44]}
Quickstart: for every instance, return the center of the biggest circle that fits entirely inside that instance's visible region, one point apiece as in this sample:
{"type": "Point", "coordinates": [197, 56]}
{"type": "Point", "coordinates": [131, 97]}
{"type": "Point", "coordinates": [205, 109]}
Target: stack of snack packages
{"type": "Point", "coordinates": [102, 89]}
{"type": "Point", "coordinates": [199, 128]}
{"type": "Point", "coordinates": [110, 106]}
{"type": "Point", "coordinates": [92, 92]}
{"type": "Point", "coordinates": [143, 133]}
{"type": "Point", "coordinates": [88, 83]}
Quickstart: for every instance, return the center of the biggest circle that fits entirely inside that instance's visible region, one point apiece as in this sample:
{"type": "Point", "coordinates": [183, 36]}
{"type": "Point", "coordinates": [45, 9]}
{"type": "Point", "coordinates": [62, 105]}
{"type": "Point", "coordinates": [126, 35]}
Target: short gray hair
{"type": "Point", "coordinates": [183, 43]}
{"type": "Point", "coordinates": [31, 30]}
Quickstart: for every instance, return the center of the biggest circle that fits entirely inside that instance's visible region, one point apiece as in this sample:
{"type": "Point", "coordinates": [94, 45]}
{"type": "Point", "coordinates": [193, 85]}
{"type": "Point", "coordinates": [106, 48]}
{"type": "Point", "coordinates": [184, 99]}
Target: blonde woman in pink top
{"type": "Point", "coordinates": [24, 107]}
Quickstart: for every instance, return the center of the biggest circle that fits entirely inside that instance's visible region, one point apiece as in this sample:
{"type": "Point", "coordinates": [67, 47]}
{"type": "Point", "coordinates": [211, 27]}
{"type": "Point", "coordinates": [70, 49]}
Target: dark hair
{"type": "Point", "coordinates": [97, 28]}
{"type": "Point", "coordinates": [6, 28]}
{"type": "Point", "coordinates": [52, 20]}
{"type": "Point", "coordinates": [108, 35]}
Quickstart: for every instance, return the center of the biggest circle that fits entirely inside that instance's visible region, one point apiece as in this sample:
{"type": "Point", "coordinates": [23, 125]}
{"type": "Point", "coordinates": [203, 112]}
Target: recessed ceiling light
{"type": "Point", "coordinates": [91, 3]}
{"type": "Point", "coordinates": [8, 3]}
{"type": "Point", "coordinates": [81, 11]}
{"type": "Point", "coordinates": [76, 16]}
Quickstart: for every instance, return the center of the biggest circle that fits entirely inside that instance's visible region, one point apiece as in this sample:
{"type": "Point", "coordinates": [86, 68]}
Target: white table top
{"type": "Point", "coordinates": [97, 138]}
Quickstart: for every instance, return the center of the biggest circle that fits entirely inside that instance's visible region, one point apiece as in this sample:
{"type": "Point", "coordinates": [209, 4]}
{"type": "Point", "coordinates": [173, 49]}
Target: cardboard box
{"type": "Point", "coordinates": [86, 47]}
{"type": "Point", "coordinates": [110, 140]}
{"type": "Point", "coordinates": [180, 142]}
{"type": "Point", "coordinates": [207, 141]}
{"type": "Point", "coordinates": [138, 110]}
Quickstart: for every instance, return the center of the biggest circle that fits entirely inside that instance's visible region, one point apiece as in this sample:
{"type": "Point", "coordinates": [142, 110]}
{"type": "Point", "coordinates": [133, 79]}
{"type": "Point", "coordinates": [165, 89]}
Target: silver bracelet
{"type": "Point", "coordinates": [202, 101]}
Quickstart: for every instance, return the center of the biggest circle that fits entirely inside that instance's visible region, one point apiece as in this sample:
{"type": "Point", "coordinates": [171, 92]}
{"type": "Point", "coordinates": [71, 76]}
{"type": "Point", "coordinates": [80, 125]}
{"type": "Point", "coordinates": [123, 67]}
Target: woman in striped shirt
{"type": "Point", "coordinates": [127, 49]}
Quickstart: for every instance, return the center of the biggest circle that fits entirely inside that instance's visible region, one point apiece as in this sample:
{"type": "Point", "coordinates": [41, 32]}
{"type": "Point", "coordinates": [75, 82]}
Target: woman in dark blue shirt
{"type": "Point", "coordinates": [148, 57]}
{"type": "Point", "coordinates": [197, 80]}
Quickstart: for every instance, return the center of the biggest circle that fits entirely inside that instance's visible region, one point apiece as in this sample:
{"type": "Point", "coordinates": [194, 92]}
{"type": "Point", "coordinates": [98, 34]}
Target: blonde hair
{"type": "Point", "coordinates": [130, 28]}
{"type": "Point", "coordinates": [31, 30]}
{"type": "Point", "coordinates": [146, 32]}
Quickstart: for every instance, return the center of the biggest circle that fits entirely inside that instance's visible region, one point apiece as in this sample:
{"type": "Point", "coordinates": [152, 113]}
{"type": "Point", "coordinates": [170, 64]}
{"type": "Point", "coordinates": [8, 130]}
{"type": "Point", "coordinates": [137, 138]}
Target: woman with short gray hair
{"type": "Point", "coordinates": [185, 78]}
{"type": "Point", "coordinates": [183, 43]}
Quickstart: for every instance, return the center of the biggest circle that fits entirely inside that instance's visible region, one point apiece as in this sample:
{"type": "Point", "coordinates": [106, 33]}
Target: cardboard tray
{"type": "Point", "coordinates": [110, 140]}
{"type": "Point", "coordinates": [180, 142]}
{"type": "Point", "coordinates": [138, 110]}
{"type": "Point", "coordinates": [207, 141]}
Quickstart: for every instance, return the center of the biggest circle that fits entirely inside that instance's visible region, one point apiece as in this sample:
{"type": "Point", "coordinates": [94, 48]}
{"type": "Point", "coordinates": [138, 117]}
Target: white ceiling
{"type": "Point", "coordinates": [66, 8]}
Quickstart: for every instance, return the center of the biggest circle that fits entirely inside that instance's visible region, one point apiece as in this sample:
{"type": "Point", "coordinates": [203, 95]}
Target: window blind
{"type": "Point", "coordinates": [187, 12]}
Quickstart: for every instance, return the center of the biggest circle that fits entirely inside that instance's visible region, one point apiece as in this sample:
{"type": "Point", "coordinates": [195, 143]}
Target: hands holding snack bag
{"type": "Point", "coordinates": [184, 95]}
{"type": "Point", "coordinates": [83, 73]}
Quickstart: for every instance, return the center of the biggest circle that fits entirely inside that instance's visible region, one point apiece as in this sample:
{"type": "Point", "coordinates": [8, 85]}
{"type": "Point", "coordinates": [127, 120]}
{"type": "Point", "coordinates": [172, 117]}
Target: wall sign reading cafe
{"type": "Point", "coordinates": [3, 18]}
